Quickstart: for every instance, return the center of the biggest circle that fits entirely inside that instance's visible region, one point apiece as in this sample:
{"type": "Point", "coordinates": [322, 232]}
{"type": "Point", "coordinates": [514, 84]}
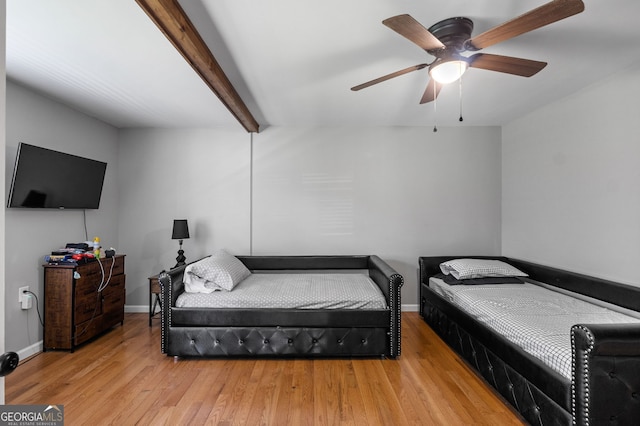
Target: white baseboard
{"type": "Point", "coordinates": [136, 309]}
{"type": "Point", "coordinates": [409, 308]}
{"type": "Point", "coordinates": [36, 348]}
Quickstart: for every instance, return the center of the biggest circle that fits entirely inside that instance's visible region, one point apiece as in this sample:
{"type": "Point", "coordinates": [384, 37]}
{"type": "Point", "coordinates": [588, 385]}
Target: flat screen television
{"type": "Point", "coordinates": [48, 179]}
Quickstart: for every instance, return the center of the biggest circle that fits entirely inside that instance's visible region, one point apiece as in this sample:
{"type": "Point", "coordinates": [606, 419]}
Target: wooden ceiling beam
{"type": "Point", "coordinates": [169, 16]}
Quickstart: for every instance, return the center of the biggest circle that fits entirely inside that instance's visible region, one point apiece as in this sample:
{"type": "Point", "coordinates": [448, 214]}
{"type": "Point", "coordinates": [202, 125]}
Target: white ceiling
{"type": "Point", "coordinates": [293, 62]}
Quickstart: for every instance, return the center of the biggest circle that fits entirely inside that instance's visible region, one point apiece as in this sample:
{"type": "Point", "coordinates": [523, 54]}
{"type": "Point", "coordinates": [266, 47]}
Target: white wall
{"type": "Point", "coordinates": [571, 182]}
{"type": "Point", "coordinates": [31, 234]}
{"type": "Point", "coordinates": [198, 175]}
{"type": "Point", "coordinates": [396, 192]}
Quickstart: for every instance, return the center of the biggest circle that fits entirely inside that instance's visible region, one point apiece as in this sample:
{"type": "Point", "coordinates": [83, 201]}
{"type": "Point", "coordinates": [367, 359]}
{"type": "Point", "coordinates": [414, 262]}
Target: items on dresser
{"type": "Point", "coordinates": [78, 253]}
{"type": "Point", "coordinates": [82, 300]}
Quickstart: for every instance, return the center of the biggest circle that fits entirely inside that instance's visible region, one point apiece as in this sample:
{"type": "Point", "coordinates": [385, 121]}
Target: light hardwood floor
{"type": "Point", "coordinates": [122, 378]}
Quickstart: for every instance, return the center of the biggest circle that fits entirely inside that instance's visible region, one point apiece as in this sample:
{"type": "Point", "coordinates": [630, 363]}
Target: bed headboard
{"type": "Point", "coordinates": [304, 262]}
{"type": "Point", "coordinates": [624, 295]}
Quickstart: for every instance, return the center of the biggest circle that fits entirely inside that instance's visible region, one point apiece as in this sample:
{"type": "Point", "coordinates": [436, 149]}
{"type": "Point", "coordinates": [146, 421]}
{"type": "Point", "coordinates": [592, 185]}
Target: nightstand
{"type": "Point", "coordinates": [154, 290]}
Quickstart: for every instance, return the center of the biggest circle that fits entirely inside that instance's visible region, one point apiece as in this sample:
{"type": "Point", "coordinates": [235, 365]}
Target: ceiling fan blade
{"type": "Point", "coordinates": [546, 14]}
{"type": "Point", "coordinates": [429, 95]}
{"type": "Point", "coordinates": [413, 30]}
{"type": "Point", "coordinates": [506, 64]}
{"type": "Point", "coordinates": [388, 77]}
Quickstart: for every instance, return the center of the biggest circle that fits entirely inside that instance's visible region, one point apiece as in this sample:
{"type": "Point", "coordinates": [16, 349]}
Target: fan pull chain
{"type": "Point", "coordinates": [460, 119]}
{"type": "Point", "coordinates": [435, 109]}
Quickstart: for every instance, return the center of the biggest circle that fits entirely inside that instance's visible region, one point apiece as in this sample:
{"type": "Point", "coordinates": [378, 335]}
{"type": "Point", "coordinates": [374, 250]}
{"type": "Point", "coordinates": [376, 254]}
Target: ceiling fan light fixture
{"type": "Point", "coordinates": [448, 70]}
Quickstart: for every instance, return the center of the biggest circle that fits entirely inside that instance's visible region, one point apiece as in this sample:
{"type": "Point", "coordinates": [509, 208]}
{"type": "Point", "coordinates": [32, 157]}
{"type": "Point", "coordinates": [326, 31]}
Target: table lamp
{"type": "Point", "coordinates": [180, 232]}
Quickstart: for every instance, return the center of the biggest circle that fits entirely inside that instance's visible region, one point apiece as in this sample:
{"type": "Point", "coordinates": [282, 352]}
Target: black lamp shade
{"type": "Point", "coordinates": [180, 229]}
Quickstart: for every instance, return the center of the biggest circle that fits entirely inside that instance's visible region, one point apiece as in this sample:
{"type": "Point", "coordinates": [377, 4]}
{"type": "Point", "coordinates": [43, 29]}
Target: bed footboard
{"type": "Point", "coordinates": [276, 341]}
{"type": "Point", "coordinates": [606, 370]}
{"type": "Point", "coordinates": [390, 282]}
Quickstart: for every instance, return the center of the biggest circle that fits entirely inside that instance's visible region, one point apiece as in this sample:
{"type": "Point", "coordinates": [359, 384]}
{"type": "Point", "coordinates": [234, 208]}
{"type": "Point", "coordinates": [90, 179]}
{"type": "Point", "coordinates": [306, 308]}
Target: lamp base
{"type": "Point", "coordinates": [180, 259]}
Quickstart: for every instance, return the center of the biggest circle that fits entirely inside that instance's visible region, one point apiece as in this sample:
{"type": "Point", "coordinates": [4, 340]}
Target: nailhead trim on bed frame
{"type": "Point", "coordinates": [584, 374]}
{"type": "Point", "coordinates": [394, 347]}
{"type": "Point", "coordinates": [163, 331]}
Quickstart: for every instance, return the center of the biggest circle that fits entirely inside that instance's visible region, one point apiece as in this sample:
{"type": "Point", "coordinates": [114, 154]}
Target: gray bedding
{"type": "Point", "coordinates": [535, 318]}
{"type": "Point", "coordinates": [293, 291]}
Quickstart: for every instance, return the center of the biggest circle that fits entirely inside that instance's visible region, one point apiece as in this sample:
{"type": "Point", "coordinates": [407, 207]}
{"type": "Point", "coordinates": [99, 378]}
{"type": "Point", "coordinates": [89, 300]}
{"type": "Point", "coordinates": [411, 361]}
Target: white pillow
{"type": "Point", "coordinates": [463, 269]}
{"type": "Point", "coordinates": [221, 270]}
{"type": "Point", "coordinates": [194, 284]}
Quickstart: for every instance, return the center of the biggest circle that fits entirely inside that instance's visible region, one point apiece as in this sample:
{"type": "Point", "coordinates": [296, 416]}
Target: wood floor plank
{"type": "Point", "coordinates": [122, 378]}
{"type": "Point", "coordinates": [300, 406]}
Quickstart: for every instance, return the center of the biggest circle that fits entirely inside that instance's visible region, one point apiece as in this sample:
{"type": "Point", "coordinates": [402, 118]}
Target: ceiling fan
{"type": "Point", "coordinates": [448, 39]}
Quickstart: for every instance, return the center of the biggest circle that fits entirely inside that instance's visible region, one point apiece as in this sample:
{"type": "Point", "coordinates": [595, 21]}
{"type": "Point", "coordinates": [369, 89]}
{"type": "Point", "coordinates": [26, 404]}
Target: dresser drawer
{"type": "Point", "coordinates": [87, 306]}
{"type": "Point", "coordinates": [110, 265]}
{"type": "Point", "coordinates": [88, 282]}
{"type": "Point", "coordinates": [114, 301]}
{"type": "Point", "coordinates": [113, 297]}
{"type": "Point", "coordinates": [116, 283]}
{"type": "Point", "coordinates": [113, 265]}
{"type": "Point", "coordinates": [92, 276]}
{"type": "Point", "coordinates": [88, 329]}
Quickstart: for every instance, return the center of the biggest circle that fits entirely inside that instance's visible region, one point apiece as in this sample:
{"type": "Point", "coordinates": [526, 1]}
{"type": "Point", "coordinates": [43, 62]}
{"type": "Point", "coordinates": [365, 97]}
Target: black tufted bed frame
{"type": "Point", "coordinates": [605, 387]}
{"type": "Point", "coordinates": [208, 332]}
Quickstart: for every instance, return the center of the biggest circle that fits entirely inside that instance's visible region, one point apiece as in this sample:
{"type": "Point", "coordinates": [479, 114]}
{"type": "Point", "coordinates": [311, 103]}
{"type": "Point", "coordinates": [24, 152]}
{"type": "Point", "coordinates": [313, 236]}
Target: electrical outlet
{"type": "Point", "coordinates": [24, 298]}
{"type": "Point", "coordinates": [21, 292]}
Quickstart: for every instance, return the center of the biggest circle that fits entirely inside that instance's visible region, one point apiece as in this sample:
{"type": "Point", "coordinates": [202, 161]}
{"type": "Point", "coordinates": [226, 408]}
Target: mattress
{"type": "Point", "coordinates": [293, 291]}
{"type": "Point", "coordinates": [534, 317]}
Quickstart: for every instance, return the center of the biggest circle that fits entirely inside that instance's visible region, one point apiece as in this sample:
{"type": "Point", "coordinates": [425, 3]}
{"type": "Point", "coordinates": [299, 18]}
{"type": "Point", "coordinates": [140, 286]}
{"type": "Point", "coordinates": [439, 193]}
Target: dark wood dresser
{"type": "Point", "coordinates": [80, 302]}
